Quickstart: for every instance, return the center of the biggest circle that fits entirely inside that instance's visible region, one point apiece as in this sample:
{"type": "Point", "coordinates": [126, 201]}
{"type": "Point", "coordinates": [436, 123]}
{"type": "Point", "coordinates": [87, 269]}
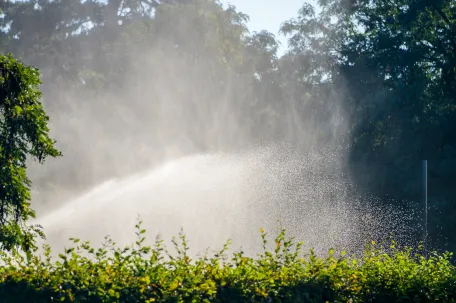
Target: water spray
{"type": "Point", "coordinates": [215, 197]}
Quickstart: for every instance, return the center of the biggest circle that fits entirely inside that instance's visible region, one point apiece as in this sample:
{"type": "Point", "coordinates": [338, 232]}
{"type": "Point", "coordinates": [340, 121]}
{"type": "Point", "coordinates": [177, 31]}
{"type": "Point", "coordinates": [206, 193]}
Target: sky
{"type": "Point", "coordinates": [269, 14]}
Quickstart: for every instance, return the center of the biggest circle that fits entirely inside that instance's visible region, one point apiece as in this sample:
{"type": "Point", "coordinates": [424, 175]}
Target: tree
{"type": "Point", "coordinates": [310, 71]}
{"type": "Point", "coordinates": [397, 63]}
{"type": "Point", "coordinates": [402, 65]}
{"type": "Point", "coordinates": [23, 133]}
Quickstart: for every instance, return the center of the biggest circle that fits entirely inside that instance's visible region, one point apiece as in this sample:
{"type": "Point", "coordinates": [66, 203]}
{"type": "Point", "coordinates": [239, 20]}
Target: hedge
{"type": "Point", "coordinates": [141, 273]}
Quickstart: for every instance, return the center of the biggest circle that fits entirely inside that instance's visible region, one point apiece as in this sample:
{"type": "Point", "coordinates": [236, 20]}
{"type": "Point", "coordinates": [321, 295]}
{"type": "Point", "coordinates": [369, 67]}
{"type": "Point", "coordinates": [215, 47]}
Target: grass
{"type": "Point", "coordinates": [142, 273]}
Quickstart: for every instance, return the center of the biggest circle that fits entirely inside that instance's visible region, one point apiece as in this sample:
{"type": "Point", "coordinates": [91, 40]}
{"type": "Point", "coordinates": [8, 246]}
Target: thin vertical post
{"type": "Point", "coordinates": [425, 198]}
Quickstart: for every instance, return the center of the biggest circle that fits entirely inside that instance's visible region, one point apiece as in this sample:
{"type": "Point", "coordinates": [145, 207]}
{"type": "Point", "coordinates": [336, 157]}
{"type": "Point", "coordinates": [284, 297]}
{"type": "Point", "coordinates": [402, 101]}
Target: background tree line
{"type": "Point", "coordinates": [161, 78]}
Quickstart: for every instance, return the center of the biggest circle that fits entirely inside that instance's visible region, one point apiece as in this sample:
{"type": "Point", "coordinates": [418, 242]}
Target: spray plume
{"type": "Point", "coordinates": [188, 135]}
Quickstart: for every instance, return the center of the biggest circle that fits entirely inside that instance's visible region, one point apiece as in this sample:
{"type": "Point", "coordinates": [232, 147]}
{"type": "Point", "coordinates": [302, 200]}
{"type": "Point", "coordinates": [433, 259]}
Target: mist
{"type": "Point", "coordinates": [203, 137]}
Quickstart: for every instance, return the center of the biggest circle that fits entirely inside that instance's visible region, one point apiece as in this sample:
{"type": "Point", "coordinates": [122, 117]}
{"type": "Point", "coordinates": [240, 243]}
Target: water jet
{"type": "Point", "coordinates": [220, 196]}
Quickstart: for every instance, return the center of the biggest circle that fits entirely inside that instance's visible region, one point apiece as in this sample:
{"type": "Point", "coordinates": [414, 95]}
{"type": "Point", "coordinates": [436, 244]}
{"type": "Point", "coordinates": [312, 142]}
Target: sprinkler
{"type": "Point", "coordinates": [425, 194]}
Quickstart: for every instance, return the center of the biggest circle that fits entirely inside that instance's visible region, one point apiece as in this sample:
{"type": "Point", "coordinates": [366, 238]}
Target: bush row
{"type": "Point", "coordinates": [142, 273]}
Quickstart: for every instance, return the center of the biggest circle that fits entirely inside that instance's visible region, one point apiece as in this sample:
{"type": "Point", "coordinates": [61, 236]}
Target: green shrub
{"type": "Point", "coordinates": [152, 274]}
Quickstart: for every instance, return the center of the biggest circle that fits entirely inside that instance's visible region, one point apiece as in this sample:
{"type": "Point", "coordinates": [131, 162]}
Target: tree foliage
{"type": "Point", "coordinates": [23, 133]}
{"type": "Point", "coordinates": [393, 64]}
